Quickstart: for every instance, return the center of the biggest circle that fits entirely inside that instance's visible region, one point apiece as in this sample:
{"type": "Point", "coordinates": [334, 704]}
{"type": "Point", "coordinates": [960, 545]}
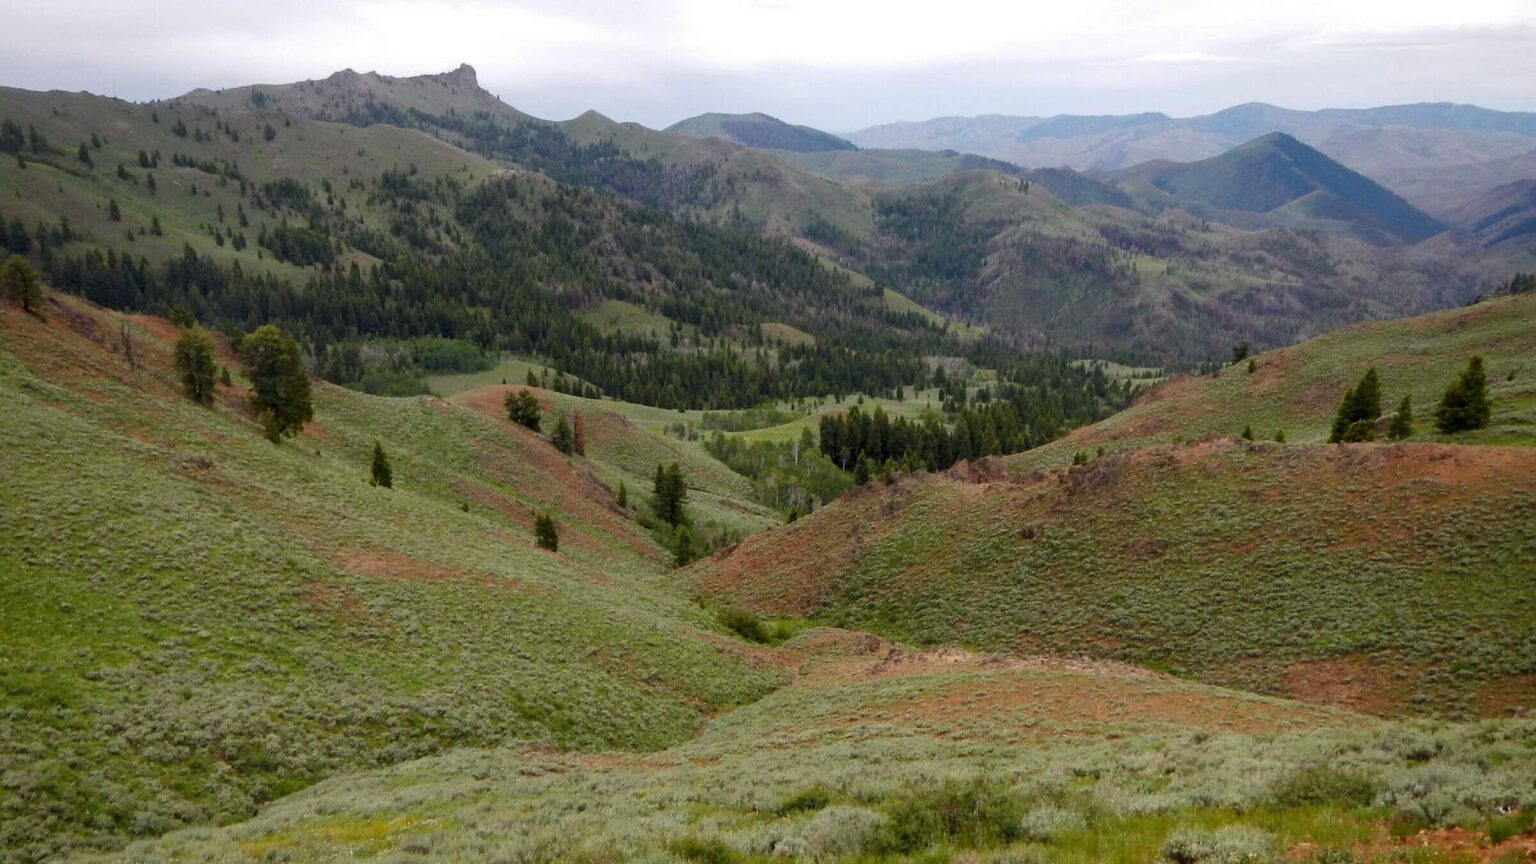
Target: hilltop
{"type": "Point", "coordinates": [1291, 183]}
{"type": "Point", "coordinates": [760, 131]}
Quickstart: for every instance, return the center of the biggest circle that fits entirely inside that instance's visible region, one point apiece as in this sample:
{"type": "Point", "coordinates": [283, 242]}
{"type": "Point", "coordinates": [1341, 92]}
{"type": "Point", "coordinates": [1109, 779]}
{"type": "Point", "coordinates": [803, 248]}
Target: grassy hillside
{"type": "Point", "coordinates": [760, 131]}
{"type": "Point", "coordinates": [211, 189]}
{"type": "Point", "coordinates": [876, 753]}
{"type": "Point", "coordinates": [1298, 389]}
{"type": "Point", "coordinates": [196, 621]}
{"type": "Point", "coordinates": [1390, 578]}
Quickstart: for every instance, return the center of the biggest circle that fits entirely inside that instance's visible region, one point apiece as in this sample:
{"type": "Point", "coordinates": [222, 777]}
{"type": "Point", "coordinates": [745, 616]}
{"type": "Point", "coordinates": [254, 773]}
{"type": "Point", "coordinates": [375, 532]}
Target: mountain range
{"type": "Point", "coordinates": [1423, 152]}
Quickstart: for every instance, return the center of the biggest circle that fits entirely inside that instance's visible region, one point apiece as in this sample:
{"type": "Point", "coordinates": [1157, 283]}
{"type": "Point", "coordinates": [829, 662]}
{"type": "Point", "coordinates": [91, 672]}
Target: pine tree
{"type": "Point", "coordinates": [623, 497]}
{"type": "Point", "coordinates": [669, 494]}
{"type": "Point", "coordinates": [523, 408]}
{"type": "Point", "coordinates": [1402, 420]}
{"type": "Point", "coordinates": [224, 377]}
{"type": "Point", "coordinates": [380, 471]}
{"type": "Point", "coordinates": [1358, 411]}
{"type": "Point", "coordinates": [546, 532]}
{"type": "Point", "coordinates": [194, 364]}
{"type": "Point", "coordinates": [1248, 433]}
{"type": "Point", "coordinates": [280, 392]}
{"type": "Point", "coordinates": [1465, 403]}
{"type": "Point", "coordinates": [83, 154]}
{"type": "Point", "coordinates": [114, 212]}
{"type": "Point", "coordinates": [533, 380]}
{"type": "Point", "coordinates": [562, 437]}
{"type": "Point", "coordinates": [579, 434]}
{"type": "Point", "coordinates": [19, 282]}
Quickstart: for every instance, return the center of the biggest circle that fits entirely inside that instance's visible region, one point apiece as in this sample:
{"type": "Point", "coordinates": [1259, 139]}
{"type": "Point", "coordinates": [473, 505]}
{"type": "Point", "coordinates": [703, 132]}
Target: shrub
{"type": "Point", "coordinates": [1325, 785]}
{"type": "Point", "coordinates": [743, 623]}
{"type": "Point", "coordinates": [1234, 844]}
{"type": "Point", "coordinates": [814, 798]}
{"type": "Point", "coordinates": [703, 851]}
{"type": "Point", "coordinates": [1048, 821]}
{"type": "Point", "coordinates": [968, 815]}
{"type": "Point", "coordinates": [835, 832]}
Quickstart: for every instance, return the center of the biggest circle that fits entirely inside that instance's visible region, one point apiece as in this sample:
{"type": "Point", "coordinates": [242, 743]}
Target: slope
{"type": "Point", "coordinates": [882, 753]}
{"type": "Point", "coordinates": [1297, 389]}
{"type": "Point", "coordinates": [1389, 578]}
{"type": "Point", "coordinates": [760, 131]}
{"type": "Point", "coordinates": [196, 621]}
{"type": "Point", "coordinates": [1504, 214]}
{"type": "Point", "coordinates": [1282, 177]}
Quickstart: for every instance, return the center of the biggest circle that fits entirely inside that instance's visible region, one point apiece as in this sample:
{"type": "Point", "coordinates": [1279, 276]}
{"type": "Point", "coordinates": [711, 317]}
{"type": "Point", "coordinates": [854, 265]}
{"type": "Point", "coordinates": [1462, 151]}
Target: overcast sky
{"type": "Point", "coordinates": [837, 64]}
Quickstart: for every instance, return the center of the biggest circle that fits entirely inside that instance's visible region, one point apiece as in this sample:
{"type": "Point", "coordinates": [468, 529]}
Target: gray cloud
{"type": "Point", "coordinates": [837, 64]}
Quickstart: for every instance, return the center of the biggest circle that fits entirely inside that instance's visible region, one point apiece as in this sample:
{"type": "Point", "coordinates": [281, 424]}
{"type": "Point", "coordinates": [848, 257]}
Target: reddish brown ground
{"type": "Point", "coordinates": [1352, 683]}
{"type": "Point", "coordinates": [1457, 844]}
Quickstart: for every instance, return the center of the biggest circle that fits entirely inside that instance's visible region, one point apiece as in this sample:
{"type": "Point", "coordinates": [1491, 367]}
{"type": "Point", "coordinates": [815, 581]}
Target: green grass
{"type": "Point", "coordinates": [181, 595]}
{"type": "Point", "coordinates": [621, 316]}
{"type": "Point", "coordinates": [824, 769]}
{"type": "Point", "coordinates": [1223, 562]}
{"type": "Point", "coordinates": [1298, 389]}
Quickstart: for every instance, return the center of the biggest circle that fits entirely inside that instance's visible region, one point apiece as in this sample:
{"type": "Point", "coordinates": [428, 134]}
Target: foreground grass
{"type": "Point", "coordinates": [853, 761]}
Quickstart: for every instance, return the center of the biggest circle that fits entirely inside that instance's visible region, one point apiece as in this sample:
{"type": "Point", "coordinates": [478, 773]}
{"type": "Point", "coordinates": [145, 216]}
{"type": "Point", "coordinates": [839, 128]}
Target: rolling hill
{"type": "Point", "coordinates": [1343, 574]}
{"type": "Point", "coordinates": [1285, 179]}
{"type": "Point", "coordinates": [760, 131]}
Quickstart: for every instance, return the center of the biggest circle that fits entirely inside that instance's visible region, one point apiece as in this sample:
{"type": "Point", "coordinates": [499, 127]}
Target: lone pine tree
{"type": "Point", "coordinates": [279, 386]}
{"type": "Point", "coordinates": [381, 475]}
{"type": "Point", "coordinates": [1465, 403]}
{"type": "Point", "coordinates": [195, 366]}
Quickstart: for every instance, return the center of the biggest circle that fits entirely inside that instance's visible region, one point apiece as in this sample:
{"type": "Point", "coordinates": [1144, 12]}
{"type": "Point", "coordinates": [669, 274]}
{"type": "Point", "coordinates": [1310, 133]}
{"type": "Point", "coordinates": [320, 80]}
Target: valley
{"type": "Point", "coordinates": [739, 492]}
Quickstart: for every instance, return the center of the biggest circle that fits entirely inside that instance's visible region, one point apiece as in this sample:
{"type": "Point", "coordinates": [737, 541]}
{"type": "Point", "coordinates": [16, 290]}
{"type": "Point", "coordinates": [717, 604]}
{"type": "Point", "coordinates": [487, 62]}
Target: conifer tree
{"type": "Point", "coordinates": [194, 364]}
{"type": "Point", "coordinates": [280, 392]}
{"type": "Point", "coordinates": [623, 497]}
{"type": "Point", "coordinates": [562, 437]}
{"type": "Point", "coordinates": [1358, 411]}
{"type": "Point", "coordinates": [669, 495]}
{"type": "Point", "coordinates": [114, 212]}
{"type": "Point", "coordinates": [1465, 403]}
{"type": "Point", "coordinates": [523, 408]}
{"type": "Point", "coordinates": [381, 475]}
{"type": "Point", "coordinates": [546, 532]}
{"type": "Point", "coordinates": [19, 282]}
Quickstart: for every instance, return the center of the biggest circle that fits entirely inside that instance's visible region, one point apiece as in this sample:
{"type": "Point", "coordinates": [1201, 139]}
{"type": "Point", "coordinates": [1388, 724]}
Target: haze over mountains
{"type": "Point", "coordinates": [1425, 152]}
